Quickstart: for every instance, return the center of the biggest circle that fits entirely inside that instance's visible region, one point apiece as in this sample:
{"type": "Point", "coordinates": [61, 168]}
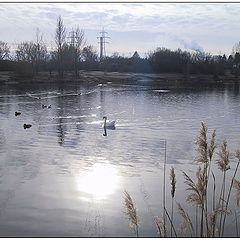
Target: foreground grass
{"type": "Point", "coordinates": [209, 197]}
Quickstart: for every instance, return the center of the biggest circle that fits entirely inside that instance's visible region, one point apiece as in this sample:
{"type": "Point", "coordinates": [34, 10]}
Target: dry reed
{"type": "Point", "coordinates": [202, 147]}
{"type": "Point", "coordinates": [223, 161]}
{"type": "Point", "coordinates": [131, 212]}
{"type": "Point", "coordinates": [187, 223]}
{"type": "Point", "coordinates": [212, 146]}
{"type": "Point", "coordinates": [173, 189]}
{"type": "Point", "coordinates": [223, 165]}
{"type": "Point", "coordinates": [198, 194]}
{"type": "Point", "coordinates": [236, 185]}
{"type": "Point", "coordinates": [161, 226]}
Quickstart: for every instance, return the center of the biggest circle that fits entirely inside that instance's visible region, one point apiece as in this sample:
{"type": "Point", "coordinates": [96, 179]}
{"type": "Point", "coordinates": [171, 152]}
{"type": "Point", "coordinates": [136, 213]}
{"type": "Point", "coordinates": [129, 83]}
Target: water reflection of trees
{"type": "Point", "coordinates": [61, 129]}
{"type": "Point", "coordinates": [75, 105]}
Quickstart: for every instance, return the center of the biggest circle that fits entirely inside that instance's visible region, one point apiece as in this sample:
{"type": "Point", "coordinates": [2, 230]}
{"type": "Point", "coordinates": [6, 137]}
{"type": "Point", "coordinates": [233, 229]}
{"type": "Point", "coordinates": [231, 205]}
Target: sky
{"type": "Point", "coordinates": [210, 27]}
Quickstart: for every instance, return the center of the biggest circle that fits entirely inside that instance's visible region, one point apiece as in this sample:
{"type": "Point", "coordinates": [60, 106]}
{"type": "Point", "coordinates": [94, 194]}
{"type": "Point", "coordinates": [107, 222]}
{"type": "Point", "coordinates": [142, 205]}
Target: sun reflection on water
{"type": "Point", "coordinates": [100, 181]}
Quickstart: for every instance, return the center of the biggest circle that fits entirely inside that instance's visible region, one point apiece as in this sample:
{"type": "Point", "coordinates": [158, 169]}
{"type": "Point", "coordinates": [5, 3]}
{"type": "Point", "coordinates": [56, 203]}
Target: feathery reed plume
{"type": "Point", "coordinates": [223, 165]}
{"type": "Point", "coordinates": [197, 193]}
{"type": "Point", "coordinates": [160, 226]}
{"type": "Point", "coordinates": [202, 146]}
{"type": "Point", "coordinates": [238, 155]}
{"type": "Point", "coordinates": [236, 185]}
{"type": "Point", "coordinates": [131, 212]}
{"type": "Point", "coordinates": [223, 161]}
{"type": "Point", "coordinates": [203, 153]}
{"type": "Point", "coordinates": [197, 190]}
{"type": "Point", "coordinates": [187, 223]}
{"type": "Point", "coordinates": [212, 146]}
{"type": "Point", "coordinates": [173, 182]}
{"type": "Point", "coordinates": [173, 189]}
{"type": "Point", "coordinates": [212, 221]}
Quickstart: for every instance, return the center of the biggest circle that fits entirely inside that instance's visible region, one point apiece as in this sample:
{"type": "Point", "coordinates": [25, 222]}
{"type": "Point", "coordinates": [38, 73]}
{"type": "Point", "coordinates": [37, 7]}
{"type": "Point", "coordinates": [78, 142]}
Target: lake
{"type": "Point", "coordinates": [62, 177]}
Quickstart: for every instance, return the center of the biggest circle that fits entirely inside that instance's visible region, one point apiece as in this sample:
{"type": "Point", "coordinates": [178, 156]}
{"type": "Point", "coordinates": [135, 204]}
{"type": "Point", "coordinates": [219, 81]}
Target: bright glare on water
{"type": "Point", "coordinates": [62, 177]}
{"type": "Point", "coordinates": [99, 182]}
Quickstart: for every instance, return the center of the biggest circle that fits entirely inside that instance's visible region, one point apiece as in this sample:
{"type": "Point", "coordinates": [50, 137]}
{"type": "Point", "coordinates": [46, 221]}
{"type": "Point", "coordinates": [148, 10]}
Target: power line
{"type": "Point", "coordinates": [102, 43]}
{"type": "Point", "coordinates": [74, 37]}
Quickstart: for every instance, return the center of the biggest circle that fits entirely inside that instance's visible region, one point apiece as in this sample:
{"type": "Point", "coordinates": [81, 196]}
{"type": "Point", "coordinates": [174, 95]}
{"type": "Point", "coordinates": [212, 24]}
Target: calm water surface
{"type": "Point", "coordinates": [62, 177]}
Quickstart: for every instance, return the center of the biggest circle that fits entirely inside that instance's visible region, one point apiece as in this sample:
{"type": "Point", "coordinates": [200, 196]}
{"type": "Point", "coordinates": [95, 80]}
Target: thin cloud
{"type": "Point", "coordinates": [191, 26]}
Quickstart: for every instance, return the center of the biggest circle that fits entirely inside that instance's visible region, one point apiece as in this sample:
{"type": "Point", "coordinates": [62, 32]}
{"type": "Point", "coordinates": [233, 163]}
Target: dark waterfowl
{"type": "Point", "coordinates": [26, 126]}
{"type": "Point", "coordinates": [44, 106]}
{"type": "Point", "coordinates": [17, 113]}
{"type": "Point", "coordinates": [50, 106]}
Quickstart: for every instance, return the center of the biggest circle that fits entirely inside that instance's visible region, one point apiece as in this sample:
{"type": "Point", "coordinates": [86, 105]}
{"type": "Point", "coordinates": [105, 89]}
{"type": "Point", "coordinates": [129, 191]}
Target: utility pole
{"type": "Point", "coordinates": [102, 42]}
{"type": "Point", "coordinates": [76, 40]}
{"type": "Point", "coordinates": [72, 36]}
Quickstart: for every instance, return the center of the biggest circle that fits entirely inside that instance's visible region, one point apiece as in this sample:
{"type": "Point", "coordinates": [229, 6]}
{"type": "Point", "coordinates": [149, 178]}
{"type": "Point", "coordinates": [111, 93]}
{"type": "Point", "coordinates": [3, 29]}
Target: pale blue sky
{"type": "Point", "coordinates": [213, 28]}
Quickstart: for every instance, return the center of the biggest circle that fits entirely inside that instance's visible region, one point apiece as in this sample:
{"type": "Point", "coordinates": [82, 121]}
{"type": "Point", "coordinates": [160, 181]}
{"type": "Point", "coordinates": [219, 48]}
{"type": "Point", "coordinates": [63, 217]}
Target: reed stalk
{"type": "Point", "coordinates": [236, 222]}
{"type": "Point", "coordinates": [204, 153]}
{"type": "Point", "coordinates": [171, 222]}
{"type": "Point", "coordinates": [236, 185]}
{"type": "Point", "coordinates": [223, 165]}
{"type": "Point", "coordinates": [198, 193]}
{"type": "Point", "coordinates": [187, 223]}
{"type": "Point", "coordinates": [196, 220]}
{"type": "Point", "coordinates": [213, 223]}
{"type": "Point", "coordinates": [131, 212]}
{"type": "Point", "coordinates": [173, 189]}
{"type": "Point", "coordinates": [164, 187]}
{"type": "Point", "coordinates": [211, 149]}
{"type": "Point", "coordinates": [233, 183]}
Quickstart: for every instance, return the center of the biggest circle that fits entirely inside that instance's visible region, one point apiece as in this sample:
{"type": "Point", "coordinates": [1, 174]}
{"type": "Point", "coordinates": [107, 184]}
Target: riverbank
{"type": "Point", "coordinates": [96, 77]}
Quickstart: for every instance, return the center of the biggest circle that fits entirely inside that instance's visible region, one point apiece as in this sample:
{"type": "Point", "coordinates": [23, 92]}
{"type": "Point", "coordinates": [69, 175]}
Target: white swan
{"type": "Point", "coordinates": [109, 124]}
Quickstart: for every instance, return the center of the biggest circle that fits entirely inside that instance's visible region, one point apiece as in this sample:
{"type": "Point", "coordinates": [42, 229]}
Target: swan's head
{"type": "Point", "coordinates": [105, 117]}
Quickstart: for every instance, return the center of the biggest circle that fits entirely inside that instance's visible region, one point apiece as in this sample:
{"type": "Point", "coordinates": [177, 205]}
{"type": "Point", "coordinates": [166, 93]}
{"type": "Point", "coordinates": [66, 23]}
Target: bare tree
{"type": "Point", "coordinates": [80, 43]}
{"type": "Point", "coordinates": [24, 52]}
{"type": "Point", "coordinates": [40, 51]}
{"type": "Point", "coordinates": [4, 50]}
{"type": "Point", "coordinates": [33, 53]}
{"type": "Point", "coordinates": [236, 61]}
{"type": "Point", "coordinates": [89, 57]}
{"type": "Point", "coordinates": [60, 37]}
{"type": "Point", "coordinates": [236, 48]}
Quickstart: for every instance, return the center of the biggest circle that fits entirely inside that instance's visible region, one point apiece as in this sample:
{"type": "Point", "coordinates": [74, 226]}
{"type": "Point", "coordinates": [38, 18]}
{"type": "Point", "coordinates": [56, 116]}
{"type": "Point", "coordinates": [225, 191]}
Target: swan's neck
{"type": "Point", "coordinates": [105, 122]}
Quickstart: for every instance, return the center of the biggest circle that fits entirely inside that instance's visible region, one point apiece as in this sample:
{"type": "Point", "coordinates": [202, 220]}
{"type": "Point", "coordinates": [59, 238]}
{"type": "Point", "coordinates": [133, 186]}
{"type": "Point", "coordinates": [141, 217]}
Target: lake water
{"type": "Point", "coordinates": [62, 177]}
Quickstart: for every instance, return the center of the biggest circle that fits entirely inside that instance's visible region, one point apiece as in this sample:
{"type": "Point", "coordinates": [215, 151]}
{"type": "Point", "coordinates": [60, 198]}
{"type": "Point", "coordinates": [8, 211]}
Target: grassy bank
{"type": "Point", "coordinates": [96, 77]}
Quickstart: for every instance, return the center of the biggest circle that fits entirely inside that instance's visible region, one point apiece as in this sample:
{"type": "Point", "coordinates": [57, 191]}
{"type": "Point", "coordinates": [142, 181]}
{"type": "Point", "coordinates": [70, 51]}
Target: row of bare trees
{"type": "Point", "coordinates": [68, 53]}
{"type": "Point", "coordinates": [72, 54]}
{"type": "Point", "coordinates": [33, 53]}
{"type": "Point", "coordinates": [33, 56]}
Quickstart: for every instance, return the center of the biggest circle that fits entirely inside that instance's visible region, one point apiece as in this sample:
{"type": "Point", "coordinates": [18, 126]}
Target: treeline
{"type": "Point", "coordinates": [73, 54]}
{"type": "Point", "coordinates": [165, 60]}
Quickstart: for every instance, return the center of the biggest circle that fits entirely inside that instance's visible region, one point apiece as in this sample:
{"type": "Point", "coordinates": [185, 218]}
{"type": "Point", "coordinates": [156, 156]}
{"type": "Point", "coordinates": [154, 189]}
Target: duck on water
{"type": "Point", "coordinates": [26, 126]}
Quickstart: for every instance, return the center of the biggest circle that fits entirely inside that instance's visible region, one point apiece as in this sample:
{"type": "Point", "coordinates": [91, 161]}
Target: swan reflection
{"type": "Point", "coordinates": [99, 182]}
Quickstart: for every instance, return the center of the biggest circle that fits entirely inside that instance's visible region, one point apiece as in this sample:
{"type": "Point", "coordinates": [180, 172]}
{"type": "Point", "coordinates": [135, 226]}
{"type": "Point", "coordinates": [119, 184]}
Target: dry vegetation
{"type": "Point", "coordinates": [209, 196]}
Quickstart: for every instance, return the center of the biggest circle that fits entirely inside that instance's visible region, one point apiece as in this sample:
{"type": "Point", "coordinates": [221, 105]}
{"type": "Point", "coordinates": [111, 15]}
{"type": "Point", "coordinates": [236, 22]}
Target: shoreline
{"type": "Point", "coordinates": [97, 77]}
